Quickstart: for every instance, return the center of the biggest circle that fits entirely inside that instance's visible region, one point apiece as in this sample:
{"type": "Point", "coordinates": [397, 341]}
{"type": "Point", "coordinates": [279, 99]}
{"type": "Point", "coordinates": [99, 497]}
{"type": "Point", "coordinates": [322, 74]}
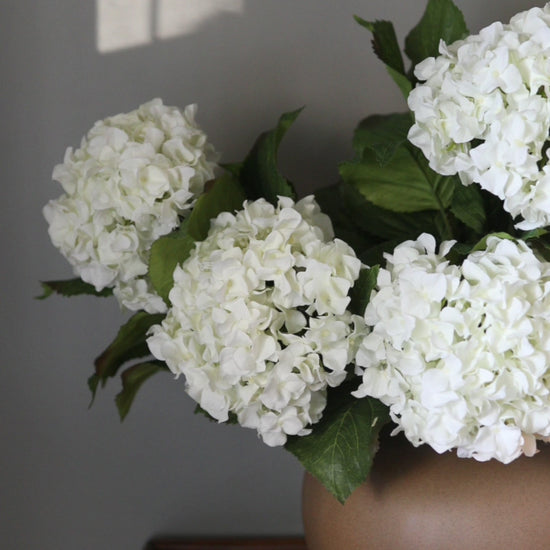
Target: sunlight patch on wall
{"type": "Point", "coordinates": [129, 23]}
{"type": "Point", "coordinates": [123, 24]}
{"type": "Point", "coordinates": [179, 17]}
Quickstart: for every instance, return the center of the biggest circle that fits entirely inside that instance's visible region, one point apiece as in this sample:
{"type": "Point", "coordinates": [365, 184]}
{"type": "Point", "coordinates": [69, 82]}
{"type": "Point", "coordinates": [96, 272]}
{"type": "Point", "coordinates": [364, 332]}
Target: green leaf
{"type": "Point", "coordinates": [384, 43]}
{"type": "Point", "coordinates": [132, 380]}
{"type": "Point", "coordinates": [405, 184]}
{"type": "Point", "coordinates": [166, 253]}
{"type": "Point", "coordinates": [382, 134]}
{"type": "Point", "coordinates": [498, 220]}
{"type": "Point", "coordinates": [347, 226]}
{"type": "Point", "coordinates": [537, 233]}
{"type": "Point", "coordinates": [340, 450]}
{"type": "Point", "coordinates": [369, 229]}
{"type": "Point", "coordinates": [386, 47]}
{"type": "Point", "coordinates": [539, 241]}
{"type": "Point", "coordinates": [71, 287]}
{"type": "Point", "coordinates": [393, 226]}
{"type": "Point", "coordinates": [374, 255]}
{"type": "Point", "coordinates": [403, 82]}
{"type": "Point", "coordinates": [444, 231]}
{"type": "Point", "coordinates": [467, 205]}
{"type": "Point", "coordinates": [130, 343]}
{"type": "Point", "coordinates": [362, 290]}
{"type": "Point", "coordinates": [442, 20]}
{"type": "Point", "coordinates": [225, 195]}
{"type": "Point", "coordinates": [458, 253]}
{"type": "Point", "coordinates": [93, 383]}
{"type": "Point", "coordinates": [234, 168]}
{"type": "Point", "coordinates": [482, 244]}
{"type": "Point", "coordinates": [260, 176]}
{"type": "Point", "coordinates": [381, 222]}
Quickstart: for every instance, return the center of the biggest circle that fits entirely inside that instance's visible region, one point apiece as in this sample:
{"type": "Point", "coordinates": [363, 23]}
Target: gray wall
{"type": "Point", "coordinates": [73, 478]}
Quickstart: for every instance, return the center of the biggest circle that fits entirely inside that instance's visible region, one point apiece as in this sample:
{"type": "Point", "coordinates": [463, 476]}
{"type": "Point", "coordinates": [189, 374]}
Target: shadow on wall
{"type": "Point", "coordinates": [122, 24]}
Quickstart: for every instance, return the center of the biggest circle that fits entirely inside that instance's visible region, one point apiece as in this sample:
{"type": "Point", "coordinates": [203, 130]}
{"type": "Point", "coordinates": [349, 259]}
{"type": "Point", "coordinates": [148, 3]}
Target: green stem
{"type": "Point", "coordinates": [448, 229]}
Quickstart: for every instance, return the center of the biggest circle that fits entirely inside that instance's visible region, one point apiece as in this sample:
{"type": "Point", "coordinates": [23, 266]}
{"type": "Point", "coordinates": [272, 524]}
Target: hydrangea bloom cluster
{"type": "Point", "coordinates": [484, 113]}
{"type": "Point", "coordinates": [133, 177]}
{"type": "Point", "coordinates": [258, 322]}
{"type": "Point", "coordinates": [461, 354]}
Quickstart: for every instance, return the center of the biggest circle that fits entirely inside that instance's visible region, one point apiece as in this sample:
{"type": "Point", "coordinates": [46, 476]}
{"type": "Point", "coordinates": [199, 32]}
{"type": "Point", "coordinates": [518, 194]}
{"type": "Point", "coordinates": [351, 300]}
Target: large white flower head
{"type": "Point", "coordinates": [132, 179]}
{"type": "Point", "coordinates": [461, 354]}
{"type": "Point", "coordinates": [483, 112]}
{"type": "Point", "coordinates": [258, 322]}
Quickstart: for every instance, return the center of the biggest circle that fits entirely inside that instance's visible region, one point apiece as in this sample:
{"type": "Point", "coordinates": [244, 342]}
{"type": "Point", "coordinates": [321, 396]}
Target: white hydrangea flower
{"type": "Point", "coordinates": [483, 112]}
{"type": "Point", "coordinates": [132, 179]}
{"type": "Point", "coordinates": [461, 354]}
{"type": "Point", "coordinates": [258, 322]}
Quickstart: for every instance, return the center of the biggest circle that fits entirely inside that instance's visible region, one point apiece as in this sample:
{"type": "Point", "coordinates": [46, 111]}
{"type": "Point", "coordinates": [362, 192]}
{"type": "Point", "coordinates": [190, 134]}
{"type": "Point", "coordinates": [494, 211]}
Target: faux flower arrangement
{"type": "Point", "coordinates": [415, 291]}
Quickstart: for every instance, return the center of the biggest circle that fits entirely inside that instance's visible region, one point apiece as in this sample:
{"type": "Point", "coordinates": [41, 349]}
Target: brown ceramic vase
{"type": "Point", "coordinates": [417, 499]}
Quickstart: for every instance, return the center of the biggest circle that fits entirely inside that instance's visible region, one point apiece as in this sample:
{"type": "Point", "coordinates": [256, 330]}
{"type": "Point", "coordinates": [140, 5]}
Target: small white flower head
{"type": "Point", "coordinates": [258, 322]}
{"type": "Point", "coordinates": [483, 112]}
{"type": "Point", "coordinates": [133, 178]}
{"type": "Point", "coordinates": [461, 354]}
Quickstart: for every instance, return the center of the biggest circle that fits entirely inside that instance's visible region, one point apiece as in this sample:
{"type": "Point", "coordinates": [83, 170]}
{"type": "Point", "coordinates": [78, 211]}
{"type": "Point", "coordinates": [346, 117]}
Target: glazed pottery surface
{"type": "Point", "coordinates": [417, 499]}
